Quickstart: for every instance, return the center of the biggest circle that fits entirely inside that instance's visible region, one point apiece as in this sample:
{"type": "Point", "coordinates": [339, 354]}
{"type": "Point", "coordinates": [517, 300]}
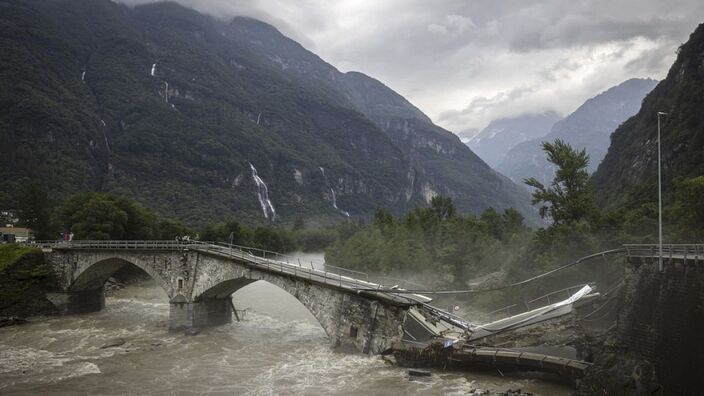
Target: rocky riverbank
{"type": "Point", "coordinates": [25, 278]}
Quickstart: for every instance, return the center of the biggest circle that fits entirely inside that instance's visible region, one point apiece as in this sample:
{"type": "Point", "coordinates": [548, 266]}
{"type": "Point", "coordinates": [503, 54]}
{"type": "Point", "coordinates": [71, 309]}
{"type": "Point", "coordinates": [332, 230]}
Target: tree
{"type": "Point", "coordinates": [503, 226]}
{"type": "Point", "coordinates": [383, 218]}
{"type": "Point", "coordinates": [690, 205]}
{"type": "Point", "coordinates": [95, 215]}
{"type": "Point", "coordinates": [569, 198]}
{"type": "Point", "coordinates": [442, 207]}
{"type": "Point", "coordinates": [35, 210]}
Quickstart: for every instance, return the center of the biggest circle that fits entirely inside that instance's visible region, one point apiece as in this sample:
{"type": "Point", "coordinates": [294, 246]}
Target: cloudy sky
{"type": "Point", "coordinates": [466, 62]}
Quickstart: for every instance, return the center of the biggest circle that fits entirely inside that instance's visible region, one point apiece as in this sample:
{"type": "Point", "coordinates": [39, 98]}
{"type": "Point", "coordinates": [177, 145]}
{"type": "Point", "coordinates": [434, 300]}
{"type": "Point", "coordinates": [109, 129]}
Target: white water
{"type": "Point", "coordinates": [107, 145]}
{"type": "Point", "coordinates": [83, 76]}
{"type": "Point", "coordinates": [278, 349]}
{"type": "Point", "coordinates": [332, 192]}
{"type": "Point", "coordinates": [153, 70]}
{"type": "Point", "coordinates": [263, 195]}
{"type": "Point", "coordinates": [334, 203]}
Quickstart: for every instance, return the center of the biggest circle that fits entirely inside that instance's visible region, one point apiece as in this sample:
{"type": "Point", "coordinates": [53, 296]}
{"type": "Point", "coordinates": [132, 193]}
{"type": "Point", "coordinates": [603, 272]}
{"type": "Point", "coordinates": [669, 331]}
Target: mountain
{"type": "Point", "coordinates": [202, 120]}
{"type": "Point", "coordinates": [466, 135]}
{"type": "Point", "coordinates": [632, 156]}
{"type": "Point", "coordinates": [588, 127]}
{"type": "Point", "coordinates": [493, 142]}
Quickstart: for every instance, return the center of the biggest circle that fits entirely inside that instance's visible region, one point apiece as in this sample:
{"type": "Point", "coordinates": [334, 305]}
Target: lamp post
{"type": "Point", "coordinates": [660, 113]}
{"type": "Point", "coordinates": [232, 236]}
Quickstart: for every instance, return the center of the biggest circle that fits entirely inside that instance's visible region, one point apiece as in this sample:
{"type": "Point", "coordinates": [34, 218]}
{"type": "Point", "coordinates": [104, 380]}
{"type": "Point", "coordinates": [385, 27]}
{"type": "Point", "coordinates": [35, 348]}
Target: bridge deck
{"type": "Point", "coordinates": [522, 359]}
{"type": "Point", "coordinates": [247, 256]}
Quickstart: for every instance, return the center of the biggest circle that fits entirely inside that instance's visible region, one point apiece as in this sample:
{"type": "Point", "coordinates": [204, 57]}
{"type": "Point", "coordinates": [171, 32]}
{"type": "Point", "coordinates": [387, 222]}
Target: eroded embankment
{"type": "Point", "coordinates": [25, 278]}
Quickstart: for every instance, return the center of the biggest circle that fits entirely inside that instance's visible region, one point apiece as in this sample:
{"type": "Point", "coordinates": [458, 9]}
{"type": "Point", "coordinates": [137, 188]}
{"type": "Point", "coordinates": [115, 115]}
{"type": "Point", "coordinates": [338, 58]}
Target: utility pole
{"type": "Point", "coordinates": [660, 113]}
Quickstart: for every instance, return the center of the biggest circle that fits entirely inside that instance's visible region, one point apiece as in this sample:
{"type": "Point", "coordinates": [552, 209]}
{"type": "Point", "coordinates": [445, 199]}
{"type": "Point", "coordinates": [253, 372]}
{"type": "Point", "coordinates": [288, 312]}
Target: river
{"type": "Point", "coordinates": [277, 349]}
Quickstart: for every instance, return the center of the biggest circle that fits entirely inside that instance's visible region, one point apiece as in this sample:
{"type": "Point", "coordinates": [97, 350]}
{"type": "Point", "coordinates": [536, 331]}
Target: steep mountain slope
{"type": "Point", "coordinates": [466, 135]}
{"type": "Point", "coordinates": [440, 164]}
{"type": "Point", "coordinates": [202, 119]}
{"type": "Point", "coordinates": [588, 128]}
{"type": "Point", "coordinates": [632, 157]}
{"type": "Point", "coordinates": [493, 142]}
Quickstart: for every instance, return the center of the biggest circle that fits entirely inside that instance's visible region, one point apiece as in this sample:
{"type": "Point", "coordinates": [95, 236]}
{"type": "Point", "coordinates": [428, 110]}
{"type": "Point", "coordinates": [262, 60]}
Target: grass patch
{"type": "Point", "coordinates": [10, 253]}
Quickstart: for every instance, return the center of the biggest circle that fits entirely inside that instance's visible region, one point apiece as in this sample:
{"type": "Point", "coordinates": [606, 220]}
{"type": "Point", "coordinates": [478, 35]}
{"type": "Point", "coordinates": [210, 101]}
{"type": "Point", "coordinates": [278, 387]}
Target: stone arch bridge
{"type": "Point", "coordinates": [199, 279]}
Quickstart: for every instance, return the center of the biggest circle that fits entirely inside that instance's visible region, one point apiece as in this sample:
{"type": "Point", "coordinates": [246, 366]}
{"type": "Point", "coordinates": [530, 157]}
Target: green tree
{"type": "Point", "coordinates": [442, 207]}
{"type": "Point", "coordinates": [569, 198]}
{"type": "Point", "coordinates": [269, 238]}
{"type": "Point", "coordinates": [35, 210]}
{"type": "Point", "coordinates": [383, 218]}
{"type": "Point", "coordinates": [689, 206]}
{"type": "Point", "coordinates": [95, 215]}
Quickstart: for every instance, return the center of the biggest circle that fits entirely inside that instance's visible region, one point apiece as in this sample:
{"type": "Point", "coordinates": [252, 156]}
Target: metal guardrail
{"type": "Point", "coordinates": [531, 304]}
{"type": "Point", "coordinates": [264, 259]}
{"type": "Point", "coordinates": [683, 251]}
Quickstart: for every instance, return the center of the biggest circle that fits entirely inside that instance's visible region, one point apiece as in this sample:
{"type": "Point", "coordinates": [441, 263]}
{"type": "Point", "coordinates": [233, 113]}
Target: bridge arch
{"type": "Point", "coordinates": [93, 274]}
{"type": "Point", "coordinates": [323, 305]}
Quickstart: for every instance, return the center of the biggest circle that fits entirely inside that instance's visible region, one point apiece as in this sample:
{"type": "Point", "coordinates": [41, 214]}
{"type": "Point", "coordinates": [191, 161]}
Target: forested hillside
{"type": "Point", "coordinates": [630, 166]}
{"type": "Point", "coordinates": [202, 120]}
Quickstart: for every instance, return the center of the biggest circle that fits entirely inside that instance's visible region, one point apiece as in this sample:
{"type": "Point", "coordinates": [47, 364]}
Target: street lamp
{"type": "Point", "coordinates": [232, 236]}
{"type": "Point", "coordinates": [660, 113]}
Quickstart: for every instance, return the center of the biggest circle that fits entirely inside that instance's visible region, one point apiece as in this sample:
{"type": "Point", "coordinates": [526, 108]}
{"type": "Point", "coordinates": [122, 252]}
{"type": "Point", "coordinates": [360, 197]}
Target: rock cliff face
{"type": "Point", "coordinates": [588, 127]}
{"type": "Point", "coordinates": [199, 119]}
{"type": "Point", "coordinates": [632, 156]}
{"type": "Point", "coordinates": [654, 347]}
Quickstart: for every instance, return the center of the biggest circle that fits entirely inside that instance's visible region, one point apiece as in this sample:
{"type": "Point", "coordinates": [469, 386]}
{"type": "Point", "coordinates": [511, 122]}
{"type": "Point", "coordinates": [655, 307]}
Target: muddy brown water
{"type": "Point", "coordinates": [278, 349]}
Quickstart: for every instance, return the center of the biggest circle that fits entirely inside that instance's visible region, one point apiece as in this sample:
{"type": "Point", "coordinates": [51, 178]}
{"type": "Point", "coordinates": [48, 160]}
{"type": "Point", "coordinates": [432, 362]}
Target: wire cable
{"type": "Point", "coordinates": [497, 288]}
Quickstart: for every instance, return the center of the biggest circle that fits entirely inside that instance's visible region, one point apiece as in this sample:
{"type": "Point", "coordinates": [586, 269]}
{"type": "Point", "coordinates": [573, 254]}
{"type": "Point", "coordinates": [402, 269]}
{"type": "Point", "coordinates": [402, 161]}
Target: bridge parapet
{"type": "Point", "coordinates": [199, 279]}
{"type": "Point", "coordinates": [671, 253]}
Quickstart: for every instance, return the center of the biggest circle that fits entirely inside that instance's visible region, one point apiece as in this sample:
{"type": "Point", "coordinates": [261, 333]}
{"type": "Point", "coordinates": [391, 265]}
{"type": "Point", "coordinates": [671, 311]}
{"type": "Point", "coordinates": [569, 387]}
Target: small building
{"type": "Point", "coordinates": [12, 234]}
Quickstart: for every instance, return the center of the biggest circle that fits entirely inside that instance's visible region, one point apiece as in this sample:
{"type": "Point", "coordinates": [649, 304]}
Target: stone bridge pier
{"type": "Point", "coordinates": [200, 284]}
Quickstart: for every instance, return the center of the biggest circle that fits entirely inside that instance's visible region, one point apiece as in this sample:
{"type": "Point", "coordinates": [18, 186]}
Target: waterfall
{"type": "Point", "coordinates": [332, 191]}
{"type": "Point", "coordinates": [107, 146]}
{"type": "Point", "coordinates": [153, 70]}
{"type": "Point", "coordinates": [334, 203]}
{"type": "Point", "coordinates": [263, 195]}
{"type": "Point", "coordinates": [83, 76]}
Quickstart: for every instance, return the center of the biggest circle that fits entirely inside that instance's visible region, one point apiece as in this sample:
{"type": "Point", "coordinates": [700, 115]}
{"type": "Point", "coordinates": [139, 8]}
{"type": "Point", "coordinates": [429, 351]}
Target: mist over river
{"type": "Point", "coordinates": [278, 349]}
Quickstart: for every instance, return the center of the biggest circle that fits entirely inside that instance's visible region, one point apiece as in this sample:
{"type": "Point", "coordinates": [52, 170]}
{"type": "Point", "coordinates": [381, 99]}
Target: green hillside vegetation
{"type": "Point", "coordinates": [102, 216]}
{"type": "Point", "coordinates": [441, 249]}
{"type": "Point", "coordinates": [10, 253]}
{"type": "Point", "coordinates": [80, 111]}
{"type": "Point", "coordinates": [25, 278]}
{"type": "Point", "coordinates": [630, 166]}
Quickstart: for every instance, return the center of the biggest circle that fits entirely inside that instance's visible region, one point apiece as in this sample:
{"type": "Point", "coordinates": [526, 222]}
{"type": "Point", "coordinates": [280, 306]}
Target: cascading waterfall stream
{"type": "Point", "coordinates": [263, 195]}
{"type": "Point", "coordinates": [334, 203]}
{"type": "Point", "coordinates": [153, 70]}
{"type": "Point", "coordinates": [332, 191]}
